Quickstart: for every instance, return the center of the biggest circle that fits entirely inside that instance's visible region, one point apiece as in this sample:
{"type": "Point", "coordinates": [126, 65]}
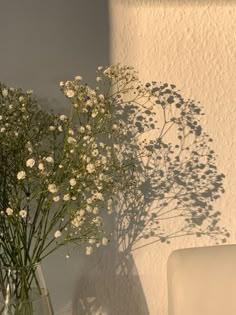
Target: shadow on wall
{"type": "Point", "coordinates": [174, 186]}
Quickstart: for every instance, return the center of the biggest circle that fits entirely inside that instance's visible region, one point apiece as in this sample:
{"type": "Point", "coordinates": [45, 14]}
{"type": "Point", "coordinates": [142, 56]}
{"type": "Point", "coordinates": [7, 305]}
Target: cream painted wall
{"type": "Point", "coordinates": [193, 45]}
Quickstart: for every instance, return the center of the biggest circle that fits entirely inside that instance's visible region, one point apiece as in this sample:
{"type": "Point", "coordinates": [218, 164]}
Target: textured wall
{"type": "Point", "coordinates": [193, 45]}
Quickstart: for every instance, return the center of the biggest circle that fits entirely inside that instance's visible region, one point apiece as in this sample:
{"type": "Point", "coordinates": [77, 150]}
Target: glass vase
{"type": "Point", "coordinates": [23, 291]}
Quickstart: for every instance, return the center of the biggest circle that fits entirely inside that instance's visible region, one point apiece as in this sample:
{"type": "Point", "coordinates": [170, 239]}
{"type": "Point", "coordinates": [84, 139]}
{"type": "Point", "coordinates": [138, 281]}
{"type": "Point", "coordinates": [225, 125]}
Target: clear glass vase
{"type": "Point", "coordinates": [23, 291]}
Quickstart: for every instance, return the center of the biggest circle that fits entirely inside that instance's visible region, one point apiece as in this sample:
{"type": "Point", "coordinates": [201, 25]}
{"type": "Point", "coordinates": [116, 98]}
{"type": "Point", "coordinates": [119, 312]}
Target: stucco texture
{"type": "Point", "coordinates": [191, 44]}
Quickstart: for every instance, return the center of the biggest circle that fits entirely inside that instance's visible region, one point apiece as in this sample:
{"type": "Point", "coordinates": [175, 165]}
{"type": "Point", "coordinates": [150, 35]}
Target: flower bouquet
{"type": "Point", "coordinates": [61, 175]}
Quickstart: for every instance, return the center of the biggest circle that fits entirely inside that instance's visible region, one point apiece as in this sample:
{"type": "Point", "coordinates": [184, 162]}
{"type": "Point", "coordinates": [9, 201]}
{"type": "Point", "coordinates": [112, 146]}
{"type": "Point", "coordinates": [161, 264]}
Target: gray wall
{"type": "Point", "coordinates": [42, 43]}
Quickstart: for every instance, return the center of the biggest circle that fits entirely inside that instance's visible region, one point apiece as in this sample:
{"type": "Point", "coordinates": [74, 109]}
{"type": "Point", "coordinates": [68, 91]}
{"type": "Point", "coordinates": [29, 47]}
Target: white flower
{"type": "Point", "coordinates": [90, 168]}
{"type": "Point", "coordinates": [71, 132]}
{"type": "Point", "coordinates": [70, 93]}
{"type": "Point", "coordinates": [21, 175]}
{"type": "Point", "coordinates": [81, 212]}
{"type": "Point", "coordinates": [29, 91]}
{"type": "Point", "coordinates": [100, 68]}
{"type": "Point", "coordinates": [61, 83]}
{"type": "Point", "coordinates": [81, 129]}
{"type": "Point", "coordinates": [95, 152]}
{"type": "Point", "coordinates": [72, 182]}
{"type": "Point", "coordinates": [52, 128]}
{"type": "Point", "coordinates": [30, 162]}
{"type": "Point", "coordinates": [23, 213]}
{"type": "Point", "coordinates": [57, 234]}
{"type": "Point", "coordinates": [56, 198]}
{"type": "Point", "coordinates": [76, 221]}
{"type": "Point", "coordinates": [98, 79]}
{"type": "Point", "coordinates": [101, 97]}
{"type": "Point", "coordinates": [21, 98]}
{"type": "Point", "coordinates": [63, 117]}
{"type": "Point", "coordinates": [104, 241]}
{"type": "Point", "coordinates": [78, 78]}
{"type": "Point", "coordinates": [71, 140]}
{"type": "Point", "coordinates": [4, 92]}
{"type": "Point", "coordinates": [88, 250]}
{"type": "Point", "coordinates": [0, 117]}
{"type": "Point", "coordinates": [52, 188]}
{"type": "Point", "coordinates": [9, 211]}
{"type": "Point", "coordinates": [41, 166]}
{"type": "Point", "coordinates": [49, 159]}
{"type": "Point", "coordinates": [2, 129]}
{"type": "Point", "coordinates": [98, 196]}
{"type": "Point", "coordinates": [66, 197]}
{"type": "Point", "coordinates": [60, 128]}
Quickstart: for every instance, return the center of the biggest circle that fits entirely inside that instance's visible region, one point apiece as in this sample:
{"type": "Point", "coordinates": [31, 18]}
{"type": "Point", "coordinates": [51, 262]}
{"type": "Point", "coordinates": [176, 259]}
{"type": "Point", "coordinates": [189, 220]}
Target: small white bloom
{"type": "Point", "coordinates": [61, 83]}
{"type": "Point", "coordinates": [81, 212]}
{"type": "Point", "coordinates": [104, 241]}
{"type": "Point", "coordinates": [101, 97]}
{"type": "Point", "coordinates": [90, 168]}
{"type": "Point", "coordinates": [66, 197]}
{"type": "Point", "coordinates": [29, 91]}
{"type": "Point", "coordinates": [21, 98]}
{"type": "Point", "coordinates": [52, 188]}
{"type": "Point", "coordinates": [81, 129]}
{"type": "Point", "coordinates": [71, 132]}
{"type": "Point", "coordinates": [70, 93]}
{"type": "Point", "coordinates": [100, 68]}
{"type": "Point", "coordinates": [23, 213]}
{"type": "Point", "coordinates": [52, 128]}
{"type": "Point", "coordinates": [9, 211]}
{"type": "Point", "coordinates": [41, 166]}
{"type": "Point", "coordinates": [56, 198]}
{"type": "Point", "coordinates": [63, 117]}
{"type": "Point", "coordinates": [89, 201]}
{"type": "Point", "coordinates": [71, 140]}
{"type": "Point", "coordinates": [95, 152]}
{"type": "Point", "coordinates": [30, 162]}
{"type": "Point", "coordinates": [60, 128]}
{"type": "Point", "coordinates": [88, 250]}
{"type": "Point", "coordinates": [21, 175]}
{"type": "Point", "coordinates": [78, 78]}
{"type": "Point", "coordinates": [0, 117]}
{"type": "Point", "coordinates": [95, 210]}
{"type": "Point", "coordinates": [60, 166]}
{"type": "Point", "coordinates": [49, 159]}
{"type": "Point", "coordinates": [98, 79]}
{"type": "Point", "coordinates": [57, 234]}
{"type": "Point", "coordinates": [72, 182]}
{"type": "Point", "coordinates": [98, 196]}
{"type": "Point", "coordinates": [2, 129]}
{"type": "Point", "coordinates": [4, 92]}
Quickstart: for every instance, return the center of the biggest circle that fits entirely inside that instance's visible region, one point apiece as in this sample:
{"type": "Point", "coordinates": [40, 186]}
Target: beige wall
{"type": "Point", "coordinates": [193, 45]}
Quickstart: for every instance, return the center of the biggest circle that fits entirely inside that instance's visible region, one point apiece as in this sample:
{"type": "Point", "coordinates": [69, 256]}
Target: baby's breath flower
{"type": "Point", "coordinates": [89, 250]}
{"type": "Point", "coordinates": [71, 140]}
{"type": "Point", "coordinates": [70, 93]}
{"type": "Point", "coordinates": [41, 166]}
{"type": "Point", "coordinates": [104, 241]}
{"type": "Point", "coordinates": [21, 175]}
{"type": "Point", "coordinates": [52, 128]}
{"type": "Point", "coordinates": [9, 211]}
{"type": "Point", "coordinates": [63, 117]}
{"type": "Point", "coordinates": [81, 129]}
{"type": "Point", "coordinates": [66, 197]}
{"type": "Point", "coordinates": [90, 168]}
{"type": "Point", "coordinates": [98, 79]}
{"type": "Point", "coordinates": [30, 163]}
{"type": "Point", "coordinates": [72, 182]}
{"type": "Point", "coordinates": [23, 213]}
{"type": "Point", "coordinates": [49, 159]}
{"type": "Point", "coordinates": [56, 198]}
{"type": "Point", "coordinates": [52, 188]}
{"type": "Point", "coordinates": [61, 83]}
{"type": "Point", "coordinates": [0, 117]}
{"type": "Point", "coordinates": [4, 92]}
{"type": "Point", "coordinates": [57, 234]}
{"type": "Point", "coordinates": [78, 78]}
